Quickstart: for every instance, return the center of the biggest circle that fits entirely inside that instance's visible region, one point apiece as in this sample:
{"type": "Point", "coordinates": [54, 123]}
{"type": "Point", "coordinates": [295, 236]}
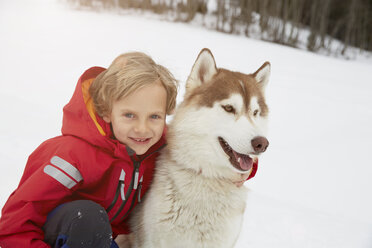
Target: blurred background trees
{"type": "Point", "coordinates": [311, 24]}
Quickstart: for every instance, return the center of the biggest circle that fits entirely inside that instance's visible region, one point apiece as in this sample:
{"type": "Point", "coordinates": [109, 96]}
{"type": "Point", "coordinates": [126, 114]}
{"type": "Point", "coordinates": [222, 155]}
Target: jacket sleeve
{"type": "Point", "coordinates": [123, 228]}
{"type": "Point", "coordinates": [39, 192]}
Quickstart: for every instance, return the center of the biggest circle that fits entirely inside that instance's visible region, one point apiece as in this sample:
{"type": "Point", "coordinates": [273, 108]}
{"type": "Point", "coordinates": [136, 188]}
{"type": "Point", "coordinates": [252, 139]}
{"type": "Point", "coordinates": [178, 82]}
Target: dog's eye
{"type": "Point", "coordinates": [228, 108]}
{"type": "Point", "coordinates": [255, 112]}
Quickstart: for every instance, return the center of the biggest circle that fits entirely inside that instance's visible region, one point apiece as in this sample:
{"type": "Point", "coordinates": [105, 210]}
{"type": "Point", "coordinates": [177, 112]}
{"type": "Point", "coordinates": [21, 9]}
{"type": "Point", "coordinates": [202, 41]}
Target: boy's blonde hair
{"type": "Point", "coordinates": [128, 73]}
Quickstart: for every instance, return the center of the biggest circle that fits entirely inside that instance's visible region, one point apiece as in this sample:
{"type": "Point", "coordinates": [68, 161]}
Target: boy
{"type": "Point", "coordinates": [78, 189]}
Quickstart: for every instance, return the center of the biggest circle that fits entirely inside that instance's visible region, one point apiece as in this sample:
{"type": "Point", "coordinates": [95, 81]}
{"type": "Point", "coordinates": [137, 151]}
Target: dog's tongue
{"type": "Point", "coordinates": [245, 161]}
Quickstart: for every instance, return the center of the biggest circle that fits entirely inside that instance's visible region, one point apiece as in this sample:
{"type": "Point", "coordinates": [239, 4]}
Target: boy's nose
{"type": "Point", "coordinates": [141, 127]}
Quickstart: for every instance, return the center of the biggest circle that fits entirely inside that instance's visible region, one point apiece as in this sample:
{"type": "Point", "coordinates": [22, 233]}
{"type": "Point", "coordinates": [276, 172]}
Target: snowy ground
{"type": "Point", "coordinates": [314, 184]}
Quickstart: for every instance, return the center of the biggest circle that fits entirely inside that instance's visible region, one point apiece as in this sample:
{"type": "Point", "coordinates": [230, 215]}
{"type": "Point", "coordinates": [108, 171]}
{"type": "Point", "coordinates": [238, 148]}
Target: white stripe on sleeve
{"type": "Point", "coordinates": [68, 168]}
{"type": "Point", "coordinates": [59, 176]}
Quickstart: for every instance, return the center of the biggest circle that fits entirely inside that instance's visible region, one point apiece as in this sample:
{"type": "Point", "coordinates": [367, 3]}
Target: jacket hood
{"type": "Point", "coordinates": [81, 120]}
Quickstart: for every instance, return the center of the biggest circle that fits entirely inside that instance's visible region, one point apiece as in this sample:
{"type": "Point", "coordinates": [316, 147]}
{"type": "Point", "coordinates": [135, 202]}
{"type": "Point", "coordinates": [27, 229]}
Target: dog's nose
{"type": "Point", "coordinates": [259, 144]}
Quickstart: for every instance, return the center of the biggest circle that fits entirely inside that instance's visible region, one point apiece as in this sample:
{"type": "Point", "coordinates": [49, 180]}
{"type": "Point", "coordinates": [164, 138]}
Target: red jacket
{"type": "Point", "coordinates": [84, 163]}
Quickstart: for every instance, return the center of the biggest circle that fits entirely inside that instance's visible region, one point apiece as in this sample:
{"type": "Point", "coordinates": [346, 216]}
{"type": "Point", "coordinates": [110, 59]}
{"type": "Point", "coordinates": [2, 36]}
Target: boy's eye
{"type": "Point", "coordinates": [129, 115]}
{"type": "Point", "coordinates": [155, 117]}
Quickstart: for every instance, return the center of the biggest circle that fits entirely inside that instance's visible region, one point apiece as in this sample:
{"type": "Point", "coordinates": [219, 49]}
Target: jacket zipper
{"type": "Point", "coordinates": [139, 189]}
{"type": "Point", "coordinates": [138, 194]}
{"type": "Point", "coordinates": [119, 189]}
{"type": "Point", "coordinates": [127, 195]}
{"type": "Point", "coordinates": [134, 184]}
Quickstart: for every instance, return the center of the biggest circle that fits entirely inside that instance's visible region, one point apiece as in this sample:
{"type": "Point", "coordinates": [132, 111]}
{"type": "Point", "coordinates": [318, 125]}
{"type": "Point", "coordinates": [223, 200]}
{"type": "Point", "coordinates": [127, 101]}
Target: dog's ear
{"type": "Point", "coordinates": [203, 70]}
{"type": "Point", "coordinates": [262, 75]}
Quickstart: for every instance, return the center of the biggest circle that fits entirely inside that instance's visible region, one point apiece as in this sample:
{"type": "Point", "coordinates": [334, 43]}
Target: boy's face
{"type": "Point", "coordinates": [138, 120]}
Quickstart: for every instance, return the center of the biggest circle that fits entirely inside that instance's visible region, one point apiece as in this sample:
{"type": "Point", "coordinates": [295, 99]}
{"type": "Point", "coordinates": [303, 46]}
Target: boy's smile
{"type": "Point", "coordinates": [138, 120]}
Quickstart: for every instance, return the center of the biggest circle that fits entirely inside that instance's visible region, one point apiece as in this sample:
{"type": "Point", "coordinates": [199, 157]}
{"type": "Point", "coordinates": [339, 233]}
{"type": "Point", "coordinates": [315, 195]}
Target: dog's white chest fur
{"type": "Point", "coordinates": [194, 211]}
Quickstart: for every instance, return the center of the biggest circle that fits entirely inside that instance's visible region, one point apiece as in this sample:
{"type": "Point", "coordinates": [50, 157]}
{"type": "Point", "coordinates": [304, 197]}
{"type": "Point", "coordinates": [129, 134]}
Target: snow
{"type": "Point", "coordinates": [313, 187]}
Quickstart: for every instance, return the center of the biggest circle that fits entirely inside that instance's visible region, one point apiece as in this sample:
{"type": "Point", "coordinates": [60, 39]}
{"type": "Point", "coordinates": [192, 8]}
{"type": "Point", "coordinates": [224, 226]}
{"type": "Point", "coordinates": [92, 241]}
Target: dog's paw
{"type": "Point", "coordinates": [124, 240]}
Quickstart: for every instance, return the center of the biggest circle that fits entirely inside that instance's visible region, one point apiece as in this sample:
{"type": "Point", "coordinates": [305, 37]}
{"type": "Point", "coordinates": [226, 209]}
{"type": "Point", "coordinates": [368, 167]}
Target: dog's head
{"type": "Point", "coordinates": [220, 126]}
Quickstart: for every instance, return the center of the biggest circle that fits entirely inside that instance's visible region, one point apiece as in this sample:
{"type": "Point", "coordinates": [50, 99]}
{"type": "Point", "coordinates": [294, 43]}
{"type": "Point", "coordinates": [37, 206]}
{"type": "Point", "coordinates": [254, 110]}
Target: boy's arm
{"type": "Point", "coordinates": [25, 212]}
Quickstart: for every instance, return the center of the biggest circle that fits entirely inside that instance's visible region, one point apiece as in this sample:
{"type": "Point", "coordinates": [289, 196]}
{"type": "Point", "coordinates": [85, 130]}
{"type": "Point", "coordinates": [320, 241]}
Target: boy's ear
{"type": "Point", "coordinates": [106, 119]}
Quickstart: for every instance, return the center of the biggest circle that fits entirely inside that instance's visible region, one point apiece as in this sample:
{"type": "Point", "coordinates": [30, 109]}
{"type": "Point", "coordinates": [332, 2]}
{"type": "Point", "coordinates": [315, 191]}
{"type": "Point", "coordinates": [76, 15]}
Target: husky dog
{"type": "Point", "coordinates": [218, 131]}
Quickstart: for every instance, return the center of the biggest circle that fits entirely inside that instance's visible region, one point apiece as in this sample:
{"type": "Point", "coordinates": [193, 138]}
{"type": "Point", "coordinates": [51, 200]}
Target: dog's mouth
{"type": "Point", "coordinates": [240, 161]}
